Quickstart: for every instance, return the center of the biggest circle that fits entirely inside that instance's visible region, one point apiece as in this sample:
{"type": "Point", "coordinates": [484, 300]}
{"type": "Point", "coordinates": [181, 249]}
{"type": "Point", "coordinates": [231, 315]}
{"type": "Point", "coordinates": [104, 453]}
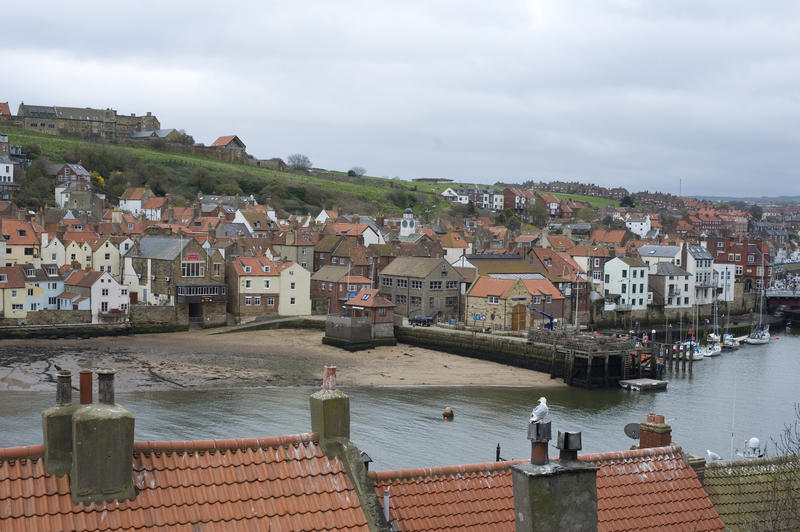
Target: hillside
{"type": "Point", "coordinates": [184, 175]}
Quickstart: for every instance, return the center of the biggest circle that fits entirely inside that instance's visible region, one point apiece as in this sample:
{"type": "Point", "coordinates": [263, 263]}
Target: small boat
{"type": "Point", "coordinates": [729, 342]}
{"type": "Point", "coordinates": [712, 350]}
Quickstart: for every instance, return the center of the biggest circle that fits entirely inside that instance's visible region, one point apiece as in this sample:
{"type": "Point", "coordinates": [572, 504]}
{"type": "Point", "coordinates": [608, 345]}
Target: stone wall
{"type": "Point", "coordinates": [153, 318]}
{"type": "Point", "coordinates": [347, 328]}
{"type": "Point", "coordinates": [45, 317]}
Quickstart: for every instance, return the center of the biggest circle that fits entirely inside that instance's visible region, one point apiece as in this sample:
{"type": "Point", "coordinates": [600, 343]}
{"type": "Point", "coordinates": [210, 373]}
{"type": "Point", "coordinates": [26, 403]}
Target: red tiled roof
{"type": "Point", "coordinates": [257, 266]}
{"type": "Point", "coordinates": [133, 193]}
{"type": "Point", "coordinates": [19, 232]}
{"type": "Point", "coordinates": [373, 300]}
{"type": "Point", "coordinates": [154, 203]}
{"type": "Point", "coordinates": [4, 110]}
{"type": "Point", "coordinates": [13, 277]}
{"type": "Point", "coordinates": [84, 278]}
{"type": "Point", "coordinates": [647, 489]}
{"type": "Point", "coordinates": [453, 240]}
{"type": "Point", "coordinates": [542, 287]}
{"type": "Point", "coordinates": [283, 483]}
{"type": "Point", "coordinates": [486, 286]}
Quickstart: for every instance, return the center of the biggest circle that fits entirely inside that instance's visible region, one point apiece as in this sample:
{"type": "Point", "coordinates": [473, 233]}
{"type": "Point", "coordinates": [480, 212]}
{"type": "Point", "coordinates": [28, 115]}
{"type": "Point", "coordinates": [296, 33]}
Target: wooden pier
{"type": "Point", "coordinates": [643, 385]}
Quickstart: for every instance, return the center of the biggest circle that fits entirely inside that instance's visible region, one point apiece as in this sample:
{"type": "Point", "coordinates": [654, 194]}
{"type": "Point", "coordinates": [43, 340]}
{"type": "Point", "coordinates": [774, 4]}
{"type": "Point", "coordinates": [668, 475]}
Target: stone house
{"type": "Point", "coordinates": [260, 287]}
{"type": "Point", "coordinates": [229, 142]}
{"type": "Point", "coordinates": [73, 175]}
{"type": "Point", "coordinates": [295, 246]}
{"type": "Point", "coordinates": [334, 285]}
{"type": "Point", "coordinates": [176, 271]}
{"type": "Point", "coordinates": [108, 299]}
{"type": "Point", "coordinates": [83, 122]}
{"type": "Point", "coordinates": [503, 304]}
{"type": "Point", "coordinates": [421, 285]}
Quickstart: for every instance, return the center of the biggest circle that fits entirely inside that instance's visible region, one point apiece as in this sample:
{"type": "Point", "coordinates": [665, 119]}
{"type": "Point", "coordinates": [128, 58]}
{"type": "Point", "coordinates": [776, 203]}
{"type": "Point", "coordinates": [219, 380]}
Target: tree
{"type": "Point", "coordinates": [756, 212]}
{"type": "Point", "coordinates": [32, 150]}
{"type": "Point", "coordinates": [537, 213]}
{"type": "Point", "coordinates": [357, 171]}
{"type": "Point", "coordinates": [586, 214]}
{"type": "Point", "coordinates": [298, 161]}
{"type": "Point", "coordinates": [627, 201]}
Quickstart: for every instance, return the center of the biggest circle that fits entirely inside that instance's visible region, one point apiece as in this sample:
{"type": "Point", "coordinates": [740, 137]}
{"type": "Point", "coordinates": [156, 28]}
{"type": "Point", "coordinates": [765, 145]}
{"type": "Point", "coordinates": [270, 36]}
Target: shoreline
{"type": "Point", "coordinates": [277, 358]}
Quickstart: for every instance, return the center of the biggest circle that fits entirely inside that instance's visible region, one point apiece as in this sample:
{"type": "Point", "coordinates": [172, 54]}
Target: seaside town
{"type": "Point", "coordinates": [525, 266]}
{"type": "Point", "coordinates": [546, 277]}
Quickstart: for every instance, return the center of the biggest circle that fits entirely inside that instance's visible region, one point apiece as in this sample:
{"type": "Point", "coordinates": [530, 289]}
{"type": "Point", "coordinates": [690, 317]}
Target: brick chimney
{"type": "Point", "coordinates": [654, 432]}
{"type": "Point", "coordinates": [102, 446]}
{"type": "Point", "coordinates": [559, 495]}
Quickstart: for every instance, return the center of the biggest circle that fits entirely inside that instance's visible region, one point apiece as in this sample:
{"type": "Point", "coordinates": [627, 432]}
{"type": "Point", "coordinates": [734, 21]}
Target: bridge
{"type": "Point", "coordinates": [782, 298]}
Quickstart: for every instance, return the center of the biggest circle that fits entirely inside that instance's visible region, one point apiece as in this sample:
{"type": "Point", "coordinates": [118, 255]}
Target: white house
{"type": "Point", "coordinates": [700, 264]}
{"type": "Point", "coordinates": [106, 296]}
{"type": "Point", "coordinates": [724, 277]}
{"type": "Point", "coordinates": [625, 284]}
{"type": "Point", "coordinates": [53, 251]}
{"type": "Point", "coordinates": [133, 199]}
{"type": "Point", "coordinates": [638, 225]}
{"type": "Point", "coordinates": [455, 196]}
{"type": "Point", "coordinates": [673, 287]}
{"type": "Point", "coordinates": [6, 170]}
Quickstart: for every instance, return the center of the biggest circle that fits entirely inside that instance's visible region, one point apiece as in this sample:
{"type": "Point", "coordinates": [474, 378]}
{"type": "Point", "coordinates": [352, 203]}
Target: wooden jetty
{"type": "Point", "coordinates": [643, 385]}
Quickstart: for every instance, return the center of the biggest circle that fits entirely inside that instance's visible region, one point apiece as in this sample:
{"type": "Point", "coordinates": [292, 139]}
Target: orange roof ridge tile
{"type": "Point", "coordinates": [24, 451]}
{"type": "Point", "coordinates": [633, 453]}
{"type": "Point", "coordinates": [442, 470]}
{"type": "Point", "coordinates": [231, 443]}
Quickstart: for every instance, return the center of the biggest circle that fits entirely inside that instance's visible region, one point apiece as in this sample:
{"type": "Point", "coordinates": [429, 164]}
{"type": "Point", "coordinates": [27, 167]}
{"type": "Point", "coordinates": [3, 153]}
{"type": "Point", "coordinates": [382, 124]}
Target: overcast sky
{"type": "Point", "coordinates": [619, 93]}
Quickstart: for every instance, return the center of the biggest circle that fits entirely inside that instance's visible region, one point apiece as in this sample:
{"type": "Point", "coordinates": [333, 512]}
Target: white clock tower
{"type": "Point", "coordinates": [408, 226]}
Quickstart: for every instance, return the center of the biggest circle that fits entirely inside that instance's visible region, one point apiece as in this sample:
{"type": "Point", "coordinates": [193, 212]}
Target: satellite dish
{"type": "Point", "coordinates": [632, 431]}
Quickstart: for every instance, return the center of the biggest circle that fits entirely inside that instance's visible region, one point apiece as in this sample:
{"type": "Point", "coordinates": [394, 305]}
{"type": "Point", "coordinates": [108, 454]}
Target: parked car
{"type": "Point", "coordinates": [424, 321]}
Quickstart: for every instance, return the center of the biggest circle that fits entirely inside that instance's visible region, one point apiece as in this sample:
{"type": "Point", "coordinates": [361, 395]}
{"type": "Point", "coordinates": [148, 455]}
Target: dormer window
{"type": "Point", "coordinates": [266, 269]}
{"type": "Point", "coordinates": [247, 269]}
{"type": "Point", "coordinates": [3, 278]}
{"type": "Point", "coordinates": [365, 297]}
{"type": "Point", "coordinates": [21, 232]}
{"type": "Point", "coordinates": [29, 272]}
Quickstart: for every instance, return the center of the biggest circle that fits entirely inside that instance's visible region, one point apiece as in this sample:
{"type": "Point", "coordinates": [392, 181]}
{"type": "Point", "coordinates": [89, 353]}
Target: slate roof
{"type": "Point", "coordinates": [667, 268]}
{"type": "Point", "coordinates": [330, 273]}
{"type": "Point", "coordinates": [647, 489]}
{"type": "Point", "coordinates": [160, 247]}
{"type": "Point", "coordinates": [759, 494]}
{"type": "Point", "coordinates": [700, 253]}
{"type": "Point", "coordinates": [419, 267]}
{"type": "Point", "coordinates": [650, 250]}
{"type": "Point", "coordinates": [280, 483]}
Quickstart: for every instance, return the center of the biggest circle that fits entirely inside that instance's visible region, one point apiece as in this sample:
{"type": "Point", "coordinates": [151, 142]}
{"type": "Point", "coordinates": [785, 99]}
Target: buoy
{"type": "Point", "coordinates": [777, 337]}
{"type": "Point", "coordinates": [447, 415]}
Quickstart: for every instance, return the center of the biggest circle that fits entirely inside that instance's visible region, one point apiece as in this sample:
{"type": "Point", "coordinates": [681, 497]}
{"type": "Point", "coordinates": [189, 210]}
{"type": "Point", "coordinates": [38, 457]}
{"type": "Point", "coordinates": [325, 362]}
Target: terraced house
{"type": "Point", "coordinates": [421, 285]}
{"type": "Point", "coordinates": [261, 287]}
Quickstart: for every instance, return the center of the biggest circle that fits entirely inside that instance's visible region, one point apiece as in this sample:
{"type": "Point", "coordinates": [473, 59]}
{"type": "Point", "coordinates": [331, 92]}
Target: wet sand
{"type": "Point", "coordinates": [284, 357]}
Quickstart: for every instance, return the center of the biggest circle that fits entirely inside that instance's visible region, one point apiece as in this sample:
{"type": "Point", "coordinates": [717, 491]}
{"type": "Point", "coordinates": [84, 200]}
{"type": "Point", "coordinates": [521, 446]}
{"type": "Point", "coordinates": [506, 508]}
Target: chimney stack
{"type": "Point", "coordinates": [102, 445]}
{"type": "Point", "coordinates": [560, 495]}
{"type": "Point", "coordinates": [330, 412]}
{"type": "Point", "coordinates": [654, 432]}
{"type": "Point", "coordinates": [57, 428]}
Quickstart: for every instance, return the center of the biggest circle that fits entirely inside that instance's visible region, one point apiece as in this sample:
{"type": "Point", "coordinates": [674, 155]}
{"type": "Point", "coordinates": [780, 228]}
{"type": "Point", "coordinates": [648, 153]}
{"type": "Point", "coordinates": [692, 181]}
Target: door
{"type": "Point", "coordinates": [518, 317]}
{"type": "Point", "coordinates": [134, 297]}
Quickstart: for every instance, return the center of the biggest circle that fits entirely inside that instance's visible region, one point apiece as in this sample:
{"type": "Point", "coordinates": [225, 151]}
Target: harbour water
{"type": "Point", "coordinates": [726, 400]}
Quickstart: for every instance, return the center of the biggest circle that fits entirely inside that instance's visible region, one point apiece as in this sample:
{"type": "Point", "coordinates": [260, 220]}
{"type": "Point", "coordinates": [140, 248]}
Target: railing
{"type": "Point", "coordinates": [348, 321]}
{"type": "Point", "coordinates": [782, 293]}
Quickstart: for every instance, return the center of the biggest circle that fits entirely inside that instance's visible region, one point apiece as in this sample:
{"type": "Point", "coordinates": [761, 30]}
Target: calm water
{"type": "Point", "coordinates": [749, 392]}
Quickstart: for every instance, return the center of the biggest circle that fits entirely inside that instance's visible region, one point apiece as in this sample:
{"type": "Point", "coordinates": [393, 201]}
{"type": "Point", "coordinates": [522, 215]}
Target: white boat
{"type": "Point", "coordinates": [760, 334]}
{"type": "Point", "coordinates": [690, 347]}
{"type": "Point", "coordinates": [729, 342]}
{"type": "Point", "coordinates": [712, 350]}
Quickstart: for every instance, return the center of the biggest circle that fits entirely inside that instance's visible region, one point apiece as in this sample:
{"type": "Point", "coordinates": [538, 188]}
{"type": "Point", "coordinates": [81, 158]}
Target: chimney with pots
{"type": "Point", "coordinates": [559, 495]}
{"type": "Point", "coordinates": [102, 445]}
{"type": "Point", "coordinates": [57, 428]}
{"type": "Point", "coordinates": [654, 432]}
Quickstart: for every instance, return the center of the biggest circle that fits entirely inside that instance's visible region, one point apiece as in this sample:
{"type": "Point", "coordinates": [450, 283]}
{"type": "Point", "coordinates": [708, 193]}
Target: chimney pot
{"type": "Point", "coordinates": [64, 387]}
{"type": "Point", "coordinates": [569, 443]}
{"type": "Point", "coordinates": [329, 378]}
{"type": "Point", "coordinates": [86, 386]}
{"type": "Point", "coordinates": [539, 433]}
{"type": "Point", "coordinates": [105, 385]}
{"type": "Point", "coordinates": [57, 428]}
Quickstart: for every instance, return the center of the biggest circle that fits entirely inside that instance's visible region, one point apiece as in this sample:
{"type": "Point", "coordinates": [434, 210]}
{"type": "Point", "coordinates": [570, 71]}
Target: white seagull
{"type": "Point", "coordinates": [712, 455]}
{"type": "Point", "coordinates": [539, 411]}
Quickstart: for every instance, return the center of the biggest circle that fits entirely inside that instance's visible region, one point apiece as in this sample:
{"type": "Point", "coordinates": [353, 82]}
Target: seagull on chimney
{"type": "Point", "coordinates": [540, 411]}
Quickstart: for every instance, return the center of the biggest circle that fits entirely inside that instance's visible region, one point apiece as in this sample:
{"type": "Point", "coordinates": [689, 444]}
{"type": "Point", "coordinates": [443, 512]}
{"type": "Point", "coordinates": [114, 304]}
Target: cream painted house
{"type": "Point", "coordinates": [259, 286]}
{"type": "Point", "coordinates": [105, 257]}
{"type": "Point", "coordinates": [53, 251]}
{"type": "Point", "coordinates": [12, 293]}
{"type": "Point", "coordinates": [73, 252]}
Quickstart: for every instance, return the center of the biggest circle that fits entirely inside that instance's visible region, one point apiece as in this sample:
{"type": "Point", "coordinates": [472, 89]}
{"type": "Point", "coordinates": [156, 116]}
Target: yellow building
{"type": "Point", "coordinates": [12, 293]}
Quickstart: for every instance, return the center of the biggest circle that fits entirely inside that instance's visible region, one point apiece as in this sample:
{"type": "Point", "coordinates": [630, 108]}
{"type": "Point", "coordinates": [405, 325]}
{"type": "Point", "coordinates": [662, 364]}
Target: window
{"type": "Point", "coordinates": [548, 299]}
{"type": "Point", "coordinates": [624, 273]}
{"type": "Point", "coordinates": [730, 257]}
{"type": "Point", "coordinates": [291, 301]}
{"type": "Point", "coordinates": [435, 285]}
{"type": "Point", "coordinates": [686, 287]}
{"type": "Point", "coordinates": [17, 306]}
{"type": "Point", "coordinates": [451, 301]}
{"type": "Point", "coordinates": [597, 275]}
{"type": "Point", "coordinates": [494, 300]}
{"type": "Point", "coordinates": [292, 286]}
{"type": "Point", "coordinates": [51, 301]}
{"type": "Point", "coordinates": [416, 285]}
{"type": "Point", "coordinates": [537, 300]}
{"type": "Point", "coordinates": [13, 293]}
{"type": "Point", "coordinates": [247, 283]}
{"type": "Point", "coordinates": [738, 257]}
{"type": "Point", "coordinates": [248, 300]}
{"type": "Point", "coordinates": [738, 270]}
{"type": "Point", "coordinates": [271, 301]}
{"type": "Point", "coordinates": [102, 268]}
{"type": "Point", "coordinates": [596, 263]}
{"type": "Point", "coordinates": [334, 260]}
{"type": "Point", "coordinates": [104, 306]}
{"type": "Point", "coordinates": [400, 299]}
{"type": "Point", "coordinates": [217, 266]}
{"type": "Point", "coordinates": [123, 292]}
{"type": "Point", "coordinates": [633, 289]}
{"type": "Point", "coordinates": [624, 288]}
{"type": "Point", "coordinates": [685, 300]}
{"type": "Point", "coordinates": [451, 285]}
{"type": "Point", "coordinates": [29, 251]}
{"type": "Point", "coordinates": [633, 273]}
{"type": "Point", "coordinates": [104, 292]}
{"type": "Point", "coordinates": [247, 269]}
{"type": "Point", "coordinates": [382, 311]}
{"type": "Point", "coordinates": [123, 307]}
{"type": "Point", "coordinates": [641, 288]}
{"type": "Point", "coordinates": [107, 256]}
{"type": "Point", "coordinates": [641, 301]}
{"type": "Point", "coordinates": [386, 281]}
{"type": "Point", "coordinates": [257, 300]}
{"type": "Point", "coordinates": [52, 256]}
{"type": "Point", "coordinates": [192, 269]}
{"type": "Point", "coordinates": [416, 301]}
{"type": "Point", "coordinates": [402, 283]}
{"type": "Point", "coordinates": [30, 291]}
{"type": "Point", "coordinates": [266, 284]}
{"type": "Point", "coordinates": [751, 259]}
{"type": "Point", "coordinates": [608, 278]}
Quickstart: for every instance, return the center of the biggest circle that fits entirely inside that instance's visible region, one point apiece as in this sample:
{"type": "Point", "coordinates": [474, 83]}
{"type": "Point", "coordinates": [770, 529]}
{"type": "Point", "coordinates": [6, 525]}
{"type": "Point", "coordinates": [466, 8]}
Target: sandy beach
{"type": "Point", "coordinates": [284, 357]}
